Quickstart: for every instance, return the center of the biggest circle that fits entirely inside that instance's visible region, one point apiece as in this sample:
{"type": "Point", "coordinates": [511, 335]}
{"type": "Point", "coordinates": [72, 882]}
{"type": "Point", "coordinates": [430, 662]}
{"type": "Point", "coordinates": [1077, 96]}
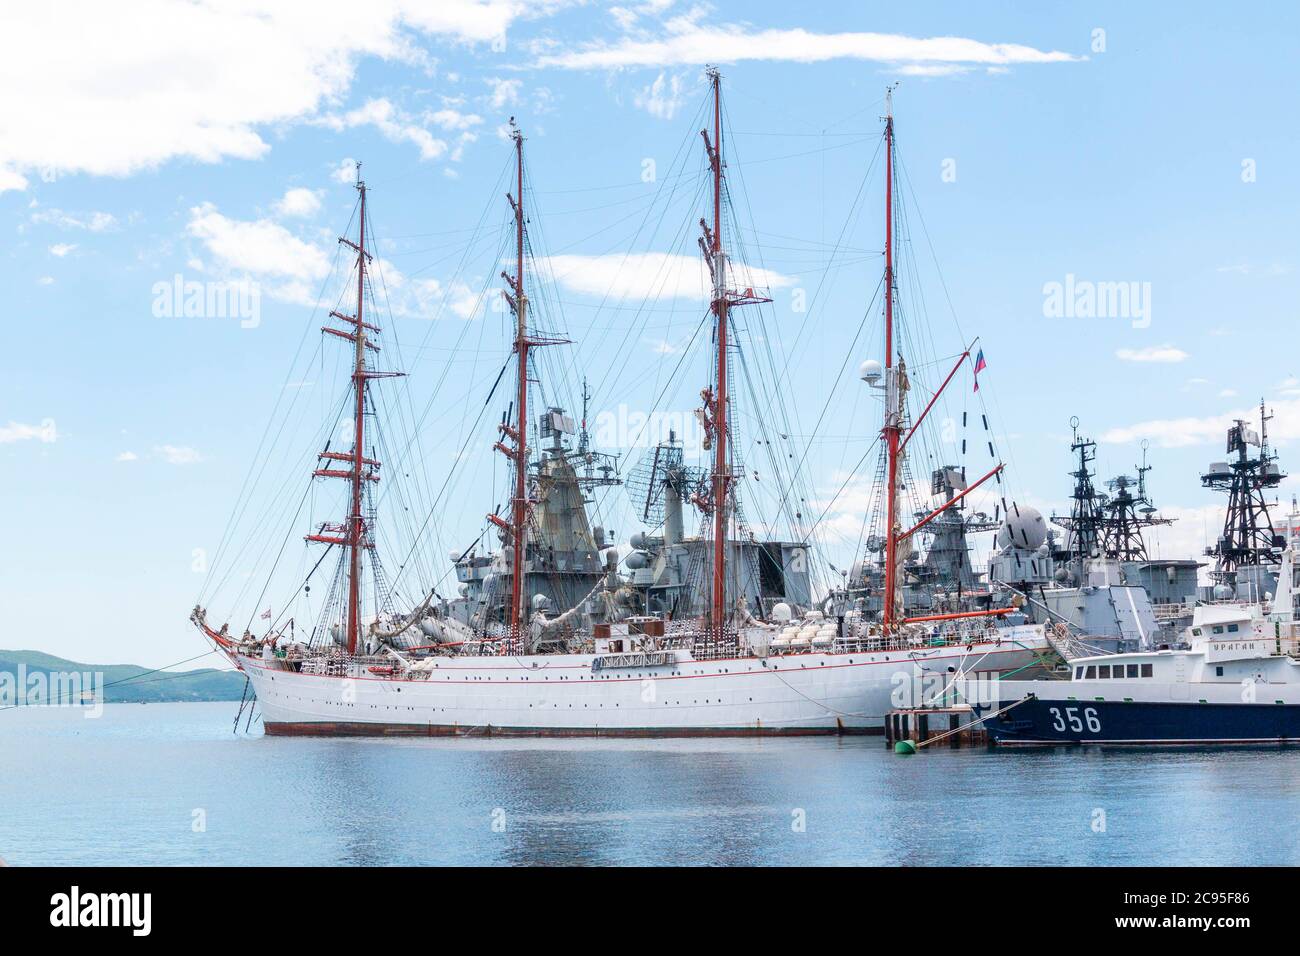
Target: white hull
{"type": "Point", "coordinates": [561, 695]}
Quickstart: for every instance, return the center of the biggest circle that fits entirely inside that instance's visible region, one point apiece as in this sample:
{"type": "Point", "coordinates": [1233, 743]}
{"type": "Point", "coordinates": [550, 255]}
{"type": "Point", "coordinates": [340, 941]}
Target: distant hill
{"type": "Point", "coordinates": [131, 683]}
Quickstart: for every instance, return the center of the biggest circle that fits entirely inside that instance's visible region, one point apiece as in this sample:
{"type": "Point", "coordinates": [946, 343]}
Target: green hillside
{"type": "Point", "coordinates": [128, 683]}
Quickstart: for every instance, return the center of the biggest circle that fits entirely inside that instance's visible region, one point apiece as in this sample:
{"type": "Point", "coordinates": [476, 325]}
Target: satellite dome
{"type": "Point", "coordinates": [1222, 592]}
{"type": "Point", "coordinates": [781, 613]}
{"type": "Point", "coordinates": [540, 602]}
{"type": "Point", "coordinates": [870, 371]}
{"type": "Point", "coordinates": [636, 560]}
{"type": "Point", "coordinates": [1062, 575]}
{"type": "Point", "coordinates": [1024, 527]}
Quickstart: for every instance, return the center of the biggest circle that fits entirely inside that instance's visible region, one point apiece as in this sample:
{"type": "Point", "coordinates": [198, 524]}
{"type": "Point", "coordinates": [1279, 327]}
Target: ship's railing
{"type": "Point", "coordinates": [331, 665]}
{"type": "Point", "coordinates": [1168, 613]}
{"type": "Point", "coordinates": [634, 659]}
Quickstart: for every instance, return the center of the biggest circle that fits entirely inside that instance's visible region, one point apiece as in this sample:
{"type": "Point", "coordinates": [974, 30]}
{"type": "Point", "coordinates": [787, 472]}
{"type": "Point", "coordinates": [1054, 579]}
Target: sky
{"type": "Point", "coordinates": [1047, 152]}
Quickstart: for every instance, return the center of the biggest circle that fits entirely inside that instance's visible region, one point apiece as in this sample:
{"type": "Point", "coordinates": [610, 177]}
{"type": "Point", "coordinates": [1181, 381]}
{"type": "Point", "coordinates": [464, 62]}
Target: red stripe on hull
{"type": "Point", "coordinates": [366, 729]}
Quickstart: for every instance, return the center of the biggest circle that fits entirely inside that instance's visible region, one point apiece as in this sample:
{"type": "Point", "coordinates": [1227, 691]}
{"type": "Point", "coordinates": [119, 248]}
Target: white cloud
{"type": "Point", "coordinates": [61, 249]}
{"type": "Point", "coordinates": [687, 42]}
{"type": "Point", "coordinates": [109, 94]}
{"type": "Point", "coordinates": [260, 247]}
{"type": "Point", "coordinates": [504, 92]}
{"type": "Point", "coordinates": [1210, 430]}
{"type": "Point", "coordinates": [345, 172]}
{"type": "Point", "coordinates": [128, 456]}
{"type": "Point", "coordinates": [286, 268]}
{"type": "Point", "coordinates": [298, 202]}
{"type": "Point", "coordinates": [45, 432]}
{"type": "Point", "coordinates": [426, 298]}
{"type": "Point", "coordinates": [662, 98]}
{"type": "Point", "coordinates": [933, 69]}
{"type": "Point", "coordinates": [454, 119]}
{"type": "Point", "coordinates": [177, 454]}
{"type": "Point", "coordinates": [45, 280]}
{"type": "Point", "coordinates": [1154, 353]}
{"type": "Point", "coordinates": [11, 180]}
{"type": "Point", "coordinates": [92, 221]}
{"type": "Point", "coordinates": [394, 124]}
{"type": "Point", "coordinates": [652, 275]}
{"type": "Point", "coordinates": [1262, 269]}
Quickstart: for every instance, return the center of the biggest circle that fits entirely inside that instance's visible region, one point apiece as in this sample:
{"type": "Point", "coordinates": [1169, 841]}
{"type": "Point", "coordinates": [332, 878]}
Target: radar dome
{"type": "Point", "coordinates": [1024, 527]}
{"type": "Point", "coordinates": [1222, 592]}
{"type": "Point", "coordinates": [871, 371]}
{"type": "Point", "coordinates": [636, 560]}
{"type": "Point", "coordinates": [781, 613]}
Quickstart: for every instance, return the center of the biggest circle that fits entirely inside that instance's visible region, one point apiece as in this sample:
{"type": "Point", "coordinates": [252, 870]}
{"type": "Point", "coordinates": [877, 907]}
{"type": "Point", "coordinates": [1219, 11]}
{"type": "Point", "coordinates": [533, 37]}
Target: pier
{"type": "Point", "coordinates": [920, 726]}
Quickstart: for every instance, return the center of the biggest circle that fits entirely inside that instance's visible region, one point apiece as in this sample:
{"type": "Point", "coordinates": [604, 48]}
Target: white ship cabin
{"type": "Point", "coordinates": [628, 636]}
{"type": "Point", "coordinates": [1227, 644]}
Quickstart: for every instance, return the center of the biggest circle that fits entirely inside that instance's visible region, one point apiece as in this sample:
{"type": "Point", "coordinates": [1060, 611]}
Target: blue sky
{"type": "Point", "coordinates": [208, 143]}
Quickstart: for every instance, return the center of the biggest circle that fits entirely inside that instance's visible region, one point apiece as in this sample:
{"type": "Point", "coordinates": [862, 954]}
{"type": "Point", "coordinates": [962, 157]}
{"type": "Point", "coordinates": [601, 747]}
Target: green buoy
{"type": "Point", "coordinates": [905, 747]}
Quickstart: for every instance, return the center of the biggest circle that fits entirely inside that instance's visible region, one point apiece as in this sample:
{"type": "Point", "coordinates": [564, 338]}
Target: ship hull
{"type": "Point", "coordinates": [562, 696]}
{"type": "Point", "coordinates": [1151, 717]}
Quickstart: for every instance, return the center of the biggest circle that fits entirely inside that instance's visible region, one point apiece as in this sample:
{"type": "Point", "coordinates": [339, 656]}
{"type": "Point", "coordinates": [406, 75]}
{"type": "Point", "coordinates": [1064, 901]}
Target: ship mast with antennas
{"type": "Point", "coordinates": [354, 535]}
{"type": "Point", "coordinates": [716, 399]}
{"type": "Point", "coordinates": [893, 431]}
{"type": "Point", "coordinates": [516, 530]}
{"type": "Point", "coordinates": [519, 303]}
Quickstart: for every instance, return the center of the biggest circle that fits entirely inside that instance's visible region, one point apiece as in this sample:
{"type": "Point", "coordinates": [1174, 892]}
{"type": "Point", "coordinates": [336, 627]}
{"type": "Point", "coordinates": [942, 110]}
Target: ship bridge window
{"type": "Point", "coordinates": [1103, 671]}
{"type": "Point", "coordinates": [1132, 670]}
{"type": "Point", "coordinates": [1146, 670]}
{"type": "Point", "coordinates": [1078, 673]}
{"type": "Point", "coordinates": [1232, 628]}
{"type": "Point", "coordinates": [1196, 631]}
{"type": "Point", "coordinates": [1218, 629]}
{"type": "Point", "coordinates": [1091, 672]}
{"type": "Point", "coordinates": [1218, 671]}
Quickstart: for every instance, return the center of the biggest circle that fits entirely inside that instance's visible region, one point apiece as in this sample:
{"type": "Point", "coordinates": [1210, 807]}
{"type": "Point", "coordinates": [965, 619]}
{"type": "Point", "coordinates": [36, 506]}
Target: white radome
{"type": "Point", "coordinates": [1023, 528]}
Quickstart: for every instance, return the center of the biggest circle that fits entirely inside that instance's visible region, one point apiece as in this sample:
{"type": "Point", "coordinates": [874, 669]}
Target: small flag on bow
{"type": "Point", "coordinates": [266, 615]}
{"type": "Point", "coordinates": [980, 365]}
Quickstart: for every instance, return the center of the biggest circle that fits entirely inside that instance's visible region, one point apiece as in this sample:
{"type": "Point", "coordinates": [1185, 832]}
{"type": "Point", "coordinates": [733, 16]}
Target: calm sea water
{"type": "Point", "coordinates": [130, 787]}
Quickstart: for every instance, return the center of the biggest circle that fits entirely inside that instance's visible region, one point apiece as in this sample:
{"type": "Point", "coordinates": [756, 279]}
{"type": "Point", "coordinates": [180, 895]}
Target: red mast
{"type": "Point", "coordinates": [516, 529]}
{"type": "Point", "coordinates": [715, 398]}
{"type": "Point", "coordinates": [721, 475]}
{"type": "Point", "coordinates": [519, 515]}
{"type": "Point", "coordinates": [893, 403]}
{"type": "Point", "coordinates": [353, 534]}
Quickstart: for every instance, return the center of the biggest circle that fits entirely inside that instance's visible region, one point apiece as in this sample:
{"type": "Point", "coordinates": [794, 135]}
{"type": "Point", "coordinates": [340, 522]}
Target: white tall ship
{"type": "Point", "coordinates": [598, 668]}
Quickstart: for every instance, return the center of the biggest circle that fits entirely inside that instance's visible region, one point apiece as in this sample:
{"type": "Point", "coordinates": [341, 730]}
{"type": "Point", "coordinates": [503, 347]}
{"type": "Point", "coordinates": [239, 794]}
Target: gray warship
{"type": "Point", "coordinates": [573, 566]}
{"type": "Point", "coordinates": [1247, 553]}
{"type": "Point", "coordinates": [1098, 578]}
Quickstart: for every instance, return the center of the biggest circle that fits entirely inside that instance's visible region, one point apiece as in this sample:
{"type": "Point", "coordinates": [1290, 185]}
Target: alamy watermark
{"type": "Point", "coordinates": [1084, 299]}
{"type": "Point", "coordinates": [625, 427]}
{"type": "Point", "coordinates": [210, 299]}
{"type": "Point", "coordinates": [25, 688]}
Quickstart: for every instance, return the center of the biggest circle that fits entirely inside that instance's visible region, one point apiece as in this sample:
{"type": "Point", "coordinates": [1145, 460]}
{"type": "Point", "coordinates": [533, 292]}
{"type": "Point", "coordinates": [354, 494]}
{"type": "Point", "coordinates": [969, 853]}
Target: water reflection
{"type": "Point", "coordinates": [122, 790]}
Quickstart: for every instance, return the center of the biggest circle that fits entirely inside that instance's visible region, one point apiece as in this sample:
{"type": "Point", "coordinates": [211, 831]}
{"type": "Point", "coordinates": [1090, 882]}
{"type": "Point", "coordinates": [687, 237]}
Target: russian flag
{"type": "Point", "coordinates": [980, 365]}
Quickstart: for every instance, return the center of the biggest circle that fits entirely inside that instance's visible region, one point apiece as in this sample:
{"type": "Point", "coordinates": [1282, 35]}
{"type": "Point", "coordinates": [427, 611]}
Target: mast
{"type": "Point", "coordinates": [352, 534]}
{"type": "Point", "coordinates": [355, 524]}
{"type": "Point", "coordinates": [519, 516]}
{"type": "Point", "coordinates": [893, 403]}
{"type": "Point", "coordinates": [716, 400]}
{"type": "Point", "coordinates": [721, 476]}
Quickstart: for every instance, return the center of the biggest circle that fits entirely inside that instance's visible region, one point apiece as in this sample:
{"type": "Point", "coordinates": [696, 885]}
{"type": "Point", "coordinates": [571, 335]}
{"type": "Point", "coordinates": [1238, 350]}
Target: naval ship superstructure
{"type": "Point", "coordinates": [569, 564]}
{"type": "Point", "coordinates": [667, 569]}
{"type": "Point", "coordinates": [1098, 578]}
{"type": "Point", "coordinates": [1247, 552]}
